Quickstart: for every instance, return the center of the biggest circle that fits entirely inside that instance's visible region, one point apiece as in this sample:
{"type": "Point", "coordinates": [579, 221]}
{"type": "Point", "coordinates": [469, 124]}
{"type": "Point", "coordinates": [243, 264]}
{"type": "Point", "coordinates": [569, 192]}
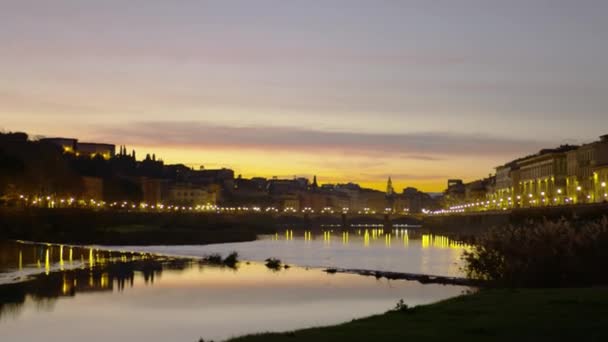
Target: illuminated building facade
{"type": "Point", "coordinates": [191, 195]}
{"type": "Point", "coordinates": [69, 145]}
{"type": "Point", "coordinates": [455, 192]}
{"type": "Point", "coordinates": [505, 189]}
{"type": "Point", "coordinates": [560, 176]}
{"type": "Point", "coordinates": [106, 151]}
{"type": "Point", "coordinates": [66, 144]}
{"type": "Point", "coordinates": [588, 172]}
{"type": "Point", "coordinates": [542, 177]}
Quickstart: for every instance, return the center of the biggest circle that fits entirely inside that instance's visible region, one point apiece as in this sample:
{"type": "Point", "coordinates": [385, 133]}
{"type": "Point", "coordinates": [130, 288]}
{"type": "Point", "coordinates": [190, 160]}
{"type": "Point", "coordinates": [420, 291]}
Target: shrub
{"type": "Point", "coordinates": [232, 259]}
{"type": "Point", "coordinates": [546, 254]}
{"type": "Point", "coordinates": [213, 259]}
{"type": "Point", "coordinates": [216, 259]}
{"type": "Point", "coordinates": [400, 306]}
{"type": "Point", "coordinates": [273, 263]}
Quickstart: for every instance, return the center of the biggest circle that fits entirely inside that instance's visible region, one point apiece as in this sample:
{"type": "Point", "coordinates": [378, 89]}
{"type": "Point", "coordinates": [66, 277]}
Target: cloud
{"type": "Point", "coordinates": [408, 176]}
{"type": "Point", "coordinates": [420, 146]}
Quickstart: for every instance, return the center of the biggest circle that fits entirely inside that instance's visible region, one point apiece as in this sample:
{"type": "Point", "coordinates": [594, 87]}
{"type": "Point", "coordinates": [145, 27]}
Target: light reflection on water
{"type": "Point", "coordinates": [130, 297]}
{"type": "Point", "coordinates": [397, 250]}
{"type": "Point", "coordinates": [19, 261]}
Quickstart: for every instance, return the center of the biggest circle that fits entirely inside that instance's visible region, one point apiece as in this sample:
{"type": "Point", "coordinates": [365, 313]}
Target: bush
{"type": "Point", "coordinates": [400, 306]}
{"type": "Point", "coordinates": [546, 254]}
{"type": "Point", "coordinates": [232, 259]}
{"type": "Point", "coordinates": [216, 259]}
{"type": "Point", "coordinates": [273, 264]}
{"type": "Point", "coordinates": [213, 259]}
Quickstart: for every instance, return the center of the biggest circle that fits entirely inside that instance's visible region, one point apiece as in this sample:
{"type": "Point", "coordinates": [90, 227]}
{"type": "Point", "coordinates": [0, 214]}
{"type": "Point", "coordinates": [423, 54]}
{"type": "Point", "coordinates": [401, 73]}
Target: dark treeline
{"type": "Point", "coordinates": [32, 167]}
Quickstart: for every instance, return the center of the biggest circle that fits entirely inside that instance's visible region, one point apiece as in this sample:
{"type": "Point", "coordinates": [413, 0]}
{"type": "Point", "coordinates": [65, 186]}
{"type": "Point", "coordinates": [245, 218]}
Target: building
{"type": "Point", "coordinates": [289, 202]}
{"type": "Point", "coordinates": [477, 191]}
{"type": "Point", "coordinates": [455, 193]}
{"type": "Point", "coordinates": [413, 201]}
{"type": "Point", "coordinates": [588, 172]}
{"type": "Point", "coordinates": [506, 179]}
{"type": "Point", "coordinates": [93, 188]}
{"type": "Point", "coordinates": [373, 200]}
{"type": "Point", "coordinates": [66, 144]}
{"type": "Point", "coordinates": [70, 145]}
{"type": "Point", "coordinates": [92, 150]}
{"type": "Point", "coordinates": [152, 190]}
{"type": "Point", "coordinates": [191, 195]}
{"type": "Point", "coordinates": [541, 178]}
{"type": "Point", "coordinates": [249, 193]}
{"type": "Point", "coordinates": [564, 175]}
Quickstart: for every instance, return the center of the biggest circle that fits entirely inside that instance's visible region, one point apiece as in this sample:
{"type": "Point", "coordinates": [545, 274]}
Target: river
{"type": "Point", "coordinates": [98, 295]}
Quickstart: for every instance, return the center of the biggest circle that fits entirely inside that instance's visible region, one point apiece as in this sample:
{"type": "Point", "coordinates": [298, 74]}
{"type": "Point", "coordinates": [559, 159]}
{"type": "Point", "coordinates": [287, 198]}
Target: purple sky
{"type": "Point", "coordinates": [352, 90]}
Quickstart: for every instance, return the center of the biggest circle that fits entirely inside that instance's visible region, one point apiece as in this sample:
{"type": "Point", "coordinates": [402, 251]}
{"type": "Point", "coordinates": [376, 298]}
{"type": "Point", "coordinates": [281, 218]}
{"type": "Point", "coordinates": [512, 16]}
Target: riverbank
{"type": "Point", "coordinates": [421, 278]}
{"type": "Point", "coordinates": [496, 315]}
{"type": "Point", "coordinates": [81, 226]}
{"type": "Point", "coordinates": [472, 224]}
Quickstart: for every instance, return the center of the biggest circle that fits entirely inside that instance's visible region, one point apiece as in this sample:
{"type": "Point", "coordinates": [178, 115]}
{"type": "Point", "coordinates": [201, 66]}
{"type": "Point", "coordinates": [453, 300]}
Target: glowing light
{"type": "Point", "coordinates": [61, 257]}
{"type": "Point", "coordinates": [91, 258]}
{"type": "Point", "coordinates": [47, 262]}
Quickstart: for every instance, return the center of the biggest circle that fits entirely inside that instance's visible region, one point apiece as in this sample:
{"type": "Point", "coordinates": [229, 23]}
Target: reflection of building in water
{"type": "Point", "coordinates": [438, 241]}
{"type": "Point", "coordinates": [101, 271]}
{"type": "Point", "coordinates": [68, 283]}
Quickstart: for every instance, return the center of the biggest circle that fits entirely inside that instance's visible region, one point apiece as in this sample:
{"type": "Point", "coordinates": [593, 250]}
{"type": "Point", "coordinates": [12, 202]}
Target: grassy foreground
{"type": "Point", "coordinates": [490, 315]}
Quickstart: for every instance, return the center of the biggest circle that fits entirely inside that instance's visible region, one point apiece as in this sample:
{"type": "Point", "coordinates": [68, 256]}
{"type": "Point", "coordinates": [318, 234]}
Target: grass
{"type": "Point", "coordinates": [490, 315]}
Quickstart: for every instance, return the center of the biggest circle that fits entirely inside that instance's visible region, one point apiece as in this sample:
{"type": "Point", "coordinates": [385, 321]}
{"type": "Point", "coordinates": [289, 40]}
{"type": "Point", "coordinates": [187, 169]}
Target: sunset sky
{"type": "Point", "coordinates": [348, 90]}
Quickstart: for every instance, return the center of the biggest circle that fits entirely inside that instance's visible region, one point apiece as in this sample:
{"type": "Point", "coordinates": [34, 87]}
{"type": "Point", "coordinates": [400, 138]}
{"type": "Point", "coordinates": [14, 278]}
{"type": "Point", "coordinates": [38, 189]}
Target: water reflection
{"type": "Point", "coordinates": [18, 261]}
{"type": "Point", "coordinates": [140, 297]}
{"type": "Point", "coordinates": [114, 275]}
{"type": "Point", "coordinates": [395, 250]}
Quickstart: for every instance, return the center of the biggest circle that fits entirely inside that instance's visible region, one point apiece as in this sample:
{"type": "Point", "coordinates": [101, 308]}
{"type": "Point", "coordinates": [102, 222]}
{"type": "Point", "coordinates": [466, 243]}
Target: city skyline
{"type": "Point", "coordinates": [415, 90]}
{"type": "Point", "coordinates": [103, 149]}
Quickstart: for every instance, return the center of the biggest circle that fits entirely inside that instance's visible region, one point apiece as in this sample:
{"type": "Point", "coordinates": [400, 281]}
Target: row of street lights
{"type": "Point", "coordinates": [71, 202]}
{"type": "Point", "coordinates": [543, 200]}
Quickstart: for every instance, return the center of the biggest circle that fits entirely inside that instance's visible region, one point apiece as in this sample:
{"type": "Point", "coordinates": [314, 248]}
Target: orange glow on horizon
{"type": "Point", "coordinates": [329, 167]}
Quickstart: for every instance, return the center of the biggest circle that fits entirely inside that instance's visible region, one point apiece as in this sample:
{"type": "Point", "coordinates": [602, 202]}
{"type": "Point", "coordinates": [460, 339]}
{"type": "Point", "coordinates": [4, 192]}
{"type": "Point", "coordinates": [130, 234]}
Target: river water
{"type": "Point", "coordinates": [397, 250]}
{"type": "Point", "coordinates": [92, 294]}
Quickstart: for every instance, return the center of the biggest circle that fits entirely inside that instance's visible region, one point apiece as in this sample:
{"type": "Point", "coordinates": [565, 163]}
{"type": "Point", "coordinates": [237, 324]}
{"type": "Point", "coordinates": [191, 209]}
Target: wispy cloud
{"type": "Point", "coordinates": [420, 146]}
{"type": "Point", "coordinates": [408, 176]}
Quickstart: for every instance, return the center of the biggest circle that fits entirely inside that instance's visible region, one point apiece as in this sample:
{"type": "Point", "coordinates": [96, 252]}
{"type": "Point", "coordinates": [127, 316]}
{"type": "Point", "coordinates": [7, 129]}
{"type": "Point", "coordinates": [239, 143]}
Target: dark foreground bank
{"type": "Point", "coordinates": [81, 226]}
{"type": "Point", "coordinates": [490, 315]}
